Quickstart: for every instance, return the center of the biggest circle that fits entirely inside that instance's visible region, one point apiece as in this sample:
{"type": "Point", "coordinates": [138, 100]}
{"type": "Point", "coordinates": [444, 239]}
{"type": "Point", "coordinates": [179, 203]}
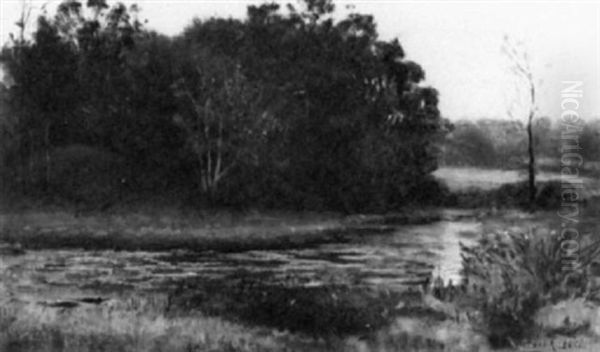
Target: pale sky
{"type": "Point", "coordinates": [457, 43]}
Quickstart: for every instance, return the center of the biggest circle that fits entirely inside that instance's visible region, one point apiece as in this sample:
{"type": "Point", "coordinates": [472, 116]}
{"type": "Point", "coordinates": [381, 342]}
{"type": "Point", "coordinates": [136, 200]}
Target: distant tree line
{"type": "Point", "coordinates": [285, 108]}
{"type": "Point", "coordinates": [503, 143]}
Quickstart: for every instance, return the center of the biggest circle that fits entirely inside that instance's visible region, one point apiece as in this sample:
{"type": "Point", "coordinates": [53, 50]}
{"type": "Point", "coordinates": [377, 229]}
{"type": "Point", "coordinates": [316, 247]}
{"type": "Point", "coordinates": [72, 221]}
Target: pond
{"type": "Point", "coordinates": [398, 260]}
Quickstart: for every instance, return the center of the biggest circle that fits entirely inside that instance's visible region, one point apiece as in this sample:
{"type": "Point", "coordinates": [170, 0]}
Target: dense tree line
{"type": "Point", "coordinates": [285, 108]}
{"type": "Point", "coordinates": [503, 143]}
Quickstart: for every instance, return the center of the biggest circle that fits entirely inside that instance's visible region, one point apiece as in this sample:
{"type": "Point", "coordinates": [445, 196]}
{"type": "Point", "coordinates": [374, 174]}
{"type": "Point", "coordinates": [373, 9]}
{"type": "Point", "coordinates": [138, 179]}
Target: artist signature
{"type": "Point", "coordinates": [582, 344]}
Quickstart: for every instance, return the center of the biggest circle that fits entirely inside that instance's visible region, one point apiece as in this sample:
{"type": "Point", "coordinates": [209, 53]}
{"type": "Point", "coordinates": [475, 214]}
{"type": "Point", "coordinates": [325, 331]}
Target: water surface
{"type": "Point", "coordinates": [398, 260]}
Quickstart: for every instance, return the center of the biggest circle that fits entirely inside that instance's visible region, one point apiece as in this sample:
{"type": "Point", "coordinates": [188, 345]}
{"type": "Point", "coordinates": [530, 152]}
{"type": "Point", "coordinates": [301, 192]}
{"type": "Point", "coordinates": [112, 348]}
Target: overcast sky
{"type": "Point", "coordinates": [457, 43]}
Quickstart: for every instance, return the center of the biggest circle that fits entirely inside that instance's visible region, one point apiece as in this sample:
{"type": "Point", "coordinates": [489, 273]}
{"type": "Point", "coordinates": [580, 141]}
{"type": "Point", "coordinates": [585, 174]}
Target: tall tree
{"type": "Point", "coordinates": [221, 116]}
{"type": "Point", "coordinates": [343, 92]}
{"type": "Point", "coordinates": [294, 108]}
{"type": "Point", "coordinates": [520, 67]}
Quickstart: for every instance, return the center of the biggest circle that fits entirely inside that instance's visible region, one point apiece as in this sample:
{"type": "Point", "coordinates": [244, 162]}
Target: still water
{"type": "Point", "coordinates": [395, 260]}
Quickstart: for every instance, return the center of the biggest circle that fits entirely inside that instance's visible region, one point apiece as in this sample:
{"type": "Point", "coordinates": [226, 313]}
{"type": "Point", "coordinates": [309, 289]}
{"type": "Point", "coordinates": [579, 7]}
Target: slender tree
{"type": "Point", "coordinates": [220, 115]}
{"type": "Point", "coordinates": [525, 85]}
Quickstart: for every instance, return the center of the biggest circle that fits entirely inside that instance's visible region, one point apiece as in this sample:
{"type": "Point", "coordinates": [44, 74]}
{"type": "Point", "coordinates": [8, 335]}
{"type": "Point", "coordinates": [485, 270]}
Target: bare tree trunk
{"type": "Point", "coordinates": [30, 162]}
{"type": "Point", "coordinates": [532, 188]}
{"type": "Point", "coordinates": [520, 66]}
{"type": "Point", "coordinates": [47, 155]}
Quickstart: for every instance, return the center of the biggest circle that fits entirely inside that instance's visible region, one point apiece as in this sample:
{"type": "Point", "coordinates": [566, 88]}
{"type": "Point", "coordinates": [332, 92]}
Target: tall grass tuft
{"type": "Point", "coordinates": [514, 275]}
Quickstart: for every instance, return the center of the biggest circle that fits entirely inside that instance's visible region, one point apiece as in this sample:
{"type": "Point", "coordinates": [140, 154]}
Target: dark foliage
{"type": "Point", "coordinates": [277, 110]}
{"type": "Point", "coordinates": [502, 144]}
{"type": "Point", "coordinates": [511, 195]}
{"type": "Point", "coordinates": [320, 311]}
{"type": "Point", "coordinates": [550, 195]}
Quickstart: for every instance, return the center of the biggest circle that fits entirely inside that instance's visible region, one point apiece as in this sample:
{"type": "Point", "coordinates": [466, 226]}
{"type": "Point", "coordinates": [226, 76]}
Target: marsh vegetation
{"type": "Point", "coordinates": [282, 182]}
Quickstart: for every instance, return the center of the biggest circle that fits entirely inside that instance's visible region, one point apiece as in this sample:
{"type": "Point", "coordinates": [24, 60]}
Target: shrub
{"type": "Point", "coordinates": [549, 195]}
{"type": "Point", "coordinates": [86, 175]}
{"type": "Point", "coordinates": [319, 311]}
{"type": "Point", "coordinates": [429, 192]}
{"type": "Point", "coordinates": [510, 195]}
{"type": "Point", "coordinates": [517, 274]}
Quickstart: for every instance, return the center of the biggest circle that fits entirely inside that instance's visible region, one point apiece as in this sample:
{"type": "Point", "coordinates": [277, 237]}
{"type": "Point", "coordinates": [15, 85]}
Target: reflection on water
{"type": "Point", "coordinates": [396, 260]}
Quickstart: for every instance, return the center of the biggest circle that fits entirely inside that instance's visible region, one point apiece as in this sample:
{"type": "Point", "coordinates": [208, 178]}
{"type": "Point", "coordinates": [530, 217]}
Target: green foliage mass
{"type": "Point", "coordinates": [280, 109]}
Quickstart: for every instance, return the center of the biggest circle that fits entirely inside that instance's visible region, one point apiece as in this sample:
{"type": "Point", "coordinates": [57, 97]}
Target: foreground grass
{"type": "Point", "coordinates": [118, 326]}
{"type": "Point", "coordinates": [35, 328]}
{"type": "Point", "coordinates": [143, 324]}
{"type": "Point", "coordinates": [219, 231]}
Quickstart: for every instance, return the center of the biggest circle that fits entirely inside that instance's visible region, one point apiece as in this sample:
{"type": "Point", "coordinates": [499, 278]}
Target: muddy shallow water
{"type": "Point", "coordinates": [397, 260]}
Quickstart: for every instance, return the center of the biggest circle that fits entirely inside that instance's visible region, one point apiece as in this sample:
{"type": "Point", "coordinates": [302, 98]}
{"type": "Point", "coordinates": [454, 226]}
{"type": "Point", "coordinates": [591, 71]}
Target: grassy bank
{"type": "Point", "coordinates": [408, 322]}
{"type": "Point", "coordinates": [217, 231]}
{"type": "Point", "coordinates": [143, 324]}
